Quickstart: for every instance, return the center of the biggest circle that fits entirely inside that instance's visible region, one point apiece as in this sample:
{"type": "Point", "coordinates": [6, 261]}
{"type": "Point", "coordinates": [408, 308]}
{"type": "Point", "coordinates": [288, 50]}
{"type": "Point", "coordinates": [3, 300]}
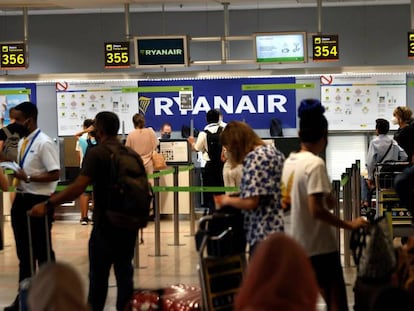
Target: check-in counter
{"type": "Point", "coordinates": [177, 155]}
{"type": "Point", "coordinates": [167, 198]}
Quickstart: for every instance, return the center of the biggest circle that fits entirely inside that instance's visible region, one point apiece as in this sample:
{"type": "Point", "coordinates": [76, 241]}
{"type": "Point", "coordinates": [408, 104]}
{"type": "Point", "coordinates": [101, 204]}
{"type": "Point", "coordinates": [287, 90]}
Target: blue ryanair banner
{"type": "Point", "coordinates": [253, 100]}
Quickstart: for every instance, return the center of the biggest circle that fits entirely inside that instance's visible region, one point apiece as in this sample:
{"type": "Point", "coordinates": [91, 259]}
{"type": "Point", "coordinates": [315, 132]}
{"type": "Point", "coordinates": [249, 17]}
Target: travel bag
{"type": "Point", "coordinates": [179, 297]}
{"type": "Point", "coordinates": [24, 285]}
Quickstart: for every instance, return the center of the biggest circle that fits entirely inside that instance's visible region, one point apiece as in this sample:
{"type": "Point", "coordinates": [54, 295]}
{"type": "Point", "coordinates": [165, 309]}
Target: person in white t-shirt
{"type": "Point", "coordinates": [306, 192]}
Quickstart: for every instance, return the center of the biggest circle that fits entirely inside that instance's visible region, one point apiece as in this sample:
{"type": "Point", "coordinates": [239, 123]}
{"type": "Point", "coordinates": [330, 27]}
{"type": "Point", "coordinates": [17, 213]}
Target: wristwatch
{"type": "Point", "coordinates": [28, 178]}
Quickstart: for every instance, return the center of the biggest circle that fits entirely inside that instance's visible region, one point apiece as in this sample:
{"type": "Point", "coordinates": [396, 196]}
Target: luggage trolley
{"type": "Point", "coordinates": [222, 261]}
{"type": "Point", "coordinates": [387, 198]}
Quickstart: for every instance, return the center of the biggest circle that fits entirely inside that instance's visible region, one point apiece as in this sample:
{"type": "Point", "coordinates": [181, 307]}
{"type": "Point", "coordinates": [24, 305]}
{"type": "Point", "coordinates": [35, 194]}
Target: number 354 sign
{"type": "Point", "coordinates": [13, 55]}
{"type": "Point", "coordinates": [325, 48]}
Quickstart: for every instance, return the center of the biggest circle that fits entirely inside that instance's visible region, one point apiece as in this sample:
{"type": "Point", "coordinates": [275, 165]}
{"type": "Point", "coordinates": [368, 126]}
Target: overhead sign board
{"type": "Point", "coordinates": [13, 55]}
{"type": "Point", "coordinates": [117, 55]}
{"type": "Point", "coordinates": [161, 51]}
{"type": "Point", "coordinates": [325, 48]}
{"type": "Point", "coordinates": [411, 45]}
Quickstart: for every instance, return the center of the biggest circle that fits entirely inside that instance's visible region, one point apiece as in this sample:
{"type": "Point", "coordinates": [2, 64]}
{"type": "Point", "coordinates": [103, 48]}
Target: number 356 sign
{"type": "Point", "coordinates": [13, 55]}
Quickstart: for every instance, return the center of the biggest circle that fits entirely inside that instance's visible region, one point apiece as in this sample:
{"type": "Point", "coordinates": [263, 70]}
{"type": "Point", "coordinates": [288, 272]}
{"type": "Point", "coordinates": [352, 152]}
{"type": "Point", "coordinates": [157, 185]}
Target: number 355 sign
{"type": "Point", "coordinates": [13, 55]}
{"type": "Point", "coordinates": [117, 54]}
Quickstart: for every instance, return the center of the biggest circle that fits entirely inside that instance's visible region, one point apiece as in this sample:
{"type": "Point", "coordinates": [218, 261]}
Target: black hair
{"type": "Point", "coordinates": [88, 122]}
{"type": "Point", "coordinates": [213, 116]}
{"type": "Point", "coordinates": [313, 124]}
{"type": "Point", "coordinates": [28, 109]}
{"type": "Point", "coordinates": [165, 124]}
{"type": "Point", "coordinates": [382, 125]}
{"type": "Point", "coordinates": [107, 122]}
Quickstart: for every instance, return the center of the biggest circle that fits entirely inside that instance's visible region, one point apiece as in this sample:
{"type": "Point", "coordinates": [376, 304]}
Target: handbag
{"type": "Point", "coordinates": [374, 252]}
{"type": "Point", "coordinates": [158, 161]}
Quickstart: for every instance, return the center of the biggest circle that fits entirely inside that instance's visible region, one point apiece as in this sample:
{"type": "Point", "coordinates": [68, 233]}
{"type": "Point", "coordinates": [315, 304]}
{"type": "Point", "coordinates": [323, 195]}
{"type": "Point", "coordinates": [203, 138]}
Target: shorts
{"type": "Point", "coordinates": [328, 269]}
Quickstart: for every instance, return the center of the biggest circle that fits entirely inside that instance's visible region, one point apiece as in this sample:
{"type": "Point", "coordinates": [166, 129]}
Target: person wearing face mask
{"type": "Point", "coordinates": [37, 179]}
{"type": "Point", "coordinates": [404, 136]}
{"type": "Point", "coordinates": [14, 129]}
{"type": "Point", "coordinates": [165, 131]}
{"type": "Point", "coordinates": [402, 116]}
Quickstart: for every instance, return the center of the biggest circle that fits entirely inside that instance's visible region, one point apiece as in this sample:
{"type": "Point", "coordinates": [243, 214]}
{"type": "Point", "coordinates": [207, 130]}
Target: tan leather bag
{"type": "Point", "coordinates": [158, 161]}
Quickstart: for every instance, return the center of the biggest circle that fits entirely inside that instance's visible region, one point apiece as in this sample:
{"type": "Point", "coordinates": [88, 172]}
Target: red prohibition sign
{"type": "Point", "coordinates": [61, 86]}
{"type": "Point", "coordinates": [326, 80]}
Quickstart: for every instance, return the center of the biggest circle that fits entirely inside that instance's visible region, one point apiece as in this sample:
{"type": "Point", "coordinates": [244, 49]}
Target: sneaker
{"type": "Point", "coordinates": [84, 221]}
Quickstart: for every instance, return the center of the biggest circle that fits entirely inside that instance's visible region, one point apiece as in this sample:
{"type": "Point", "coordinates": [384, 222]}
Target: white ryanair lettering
{"type": "Point", "coordinates": [163, 52]}
{"type": "Point", "coordinates": [260, 104]}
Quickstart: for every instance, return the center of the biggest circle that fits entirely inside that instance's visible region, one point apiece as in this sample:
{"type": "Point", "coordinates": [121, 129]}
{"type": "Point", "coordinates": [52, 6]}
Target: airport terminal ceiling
{"type": "Point", "coordinates": [79, 6]}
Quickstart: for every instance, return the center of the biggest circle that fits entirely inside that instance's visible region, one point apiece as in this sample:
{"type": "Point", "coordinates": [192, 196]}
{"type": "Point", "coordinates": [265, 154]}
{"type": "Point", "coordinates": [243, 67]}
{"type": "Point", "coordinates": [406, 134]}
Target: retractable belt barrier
{"type": "Point", "coordinates": [157, 189]}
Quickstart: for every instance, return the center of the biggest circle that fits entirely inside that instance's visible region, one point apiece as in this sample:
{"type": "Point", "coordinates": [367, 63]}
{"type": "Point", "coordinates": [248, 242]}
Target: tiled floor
{"type": "Point", "coordinates": [176, 263]}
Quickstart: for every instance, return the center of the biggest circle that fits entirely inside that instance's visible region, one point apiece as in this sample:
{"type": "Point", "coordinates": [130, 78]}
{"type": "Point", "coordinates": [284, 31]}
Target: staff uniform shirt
{"type": "Point", "coordinates": [377, 149]}
{"type": "Point", "coordinates": [41, 157]}
{"type": "Point", "coordinates": [201, 143]}
{"type": "Point", "coordinates": [304, 174]}
{"type": "Point", "coordinates": [262, 169]}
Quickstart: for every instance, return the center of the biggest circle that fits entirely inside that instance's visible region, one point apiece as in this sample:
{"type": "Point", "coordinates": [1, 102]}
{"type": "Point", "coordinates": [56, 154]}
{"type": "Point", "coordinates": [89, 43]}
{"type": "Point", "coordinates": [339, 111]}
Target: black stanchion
{"type": "Point", "coordinates": [176, 212]}
{"type": "Point", "coordinates": [157, 220]}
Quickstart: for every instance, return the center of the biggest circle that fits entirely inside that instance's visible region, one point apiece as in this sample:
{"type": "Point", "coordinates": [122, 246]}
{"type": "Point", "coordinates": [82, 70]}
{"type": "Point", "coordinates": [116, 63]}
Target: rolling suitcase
{"type": "Point", "coordinates": [222, 260]}
{"type": "Point", "coordinates": [24, 285]}
{"type": "Point", "coordinates": [177, 297]}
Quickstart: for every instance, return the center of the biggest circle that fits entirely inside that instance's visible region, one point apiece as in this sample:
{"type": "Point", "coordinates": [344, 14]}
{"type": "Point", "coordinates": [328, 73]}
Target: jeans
{"type": "Point", "coordinates": [212, 177]}
{"type": "Point", "coordinates": [109, 247]}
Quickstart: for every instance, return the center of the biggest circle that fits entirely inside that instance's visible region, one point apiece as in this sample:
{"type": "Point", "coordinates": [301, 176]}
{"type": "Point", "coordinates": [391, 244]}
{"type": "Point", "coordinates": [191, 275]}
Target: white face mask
{"type": "Point", "coordinates": [394, 120]}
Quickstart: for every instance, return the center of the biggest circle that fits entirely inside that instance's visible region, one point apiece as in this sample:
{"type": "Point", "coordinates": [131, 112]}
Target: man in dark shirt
{"type": "Point", "coordinates": [108, 245]}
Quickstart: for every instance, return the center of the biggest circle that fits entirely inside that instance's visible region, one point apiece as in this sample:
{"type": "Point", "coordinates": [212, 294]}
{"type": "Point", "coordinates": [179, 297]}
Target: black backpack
{"type": "Point", "coordinates": [276, 128]}
{"type": "Point", "coordinates": [129, 192]}
{"type": "Point", "coordinates": [10, 144]}
{"type": "Point", "coordinates": [213, 145]}
{"type": "Point", "coordinates": [90, 145]}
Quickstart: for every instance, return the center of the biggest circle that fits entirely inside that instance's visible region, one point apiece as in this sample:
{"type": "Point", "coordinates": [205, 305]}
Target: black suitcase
{"type": "Point", "coordinates": [229, 220]}
{"type": "Point", "coordinates": [221, 244]}
{"type": "Point", "coordinates": [24, 285]}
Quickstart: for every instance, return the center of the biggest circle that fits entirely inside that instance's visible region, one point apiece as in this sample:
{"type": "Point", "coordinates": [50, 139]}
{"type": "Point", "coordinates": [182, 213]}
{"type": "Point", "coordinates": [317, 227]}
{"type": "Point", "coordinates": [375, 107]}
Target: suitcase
{"type": "Point", "coordinates": [228, 220]}
{"type": "Point", "coordinates": [221, 270]}
{"type": "Point", "coordinates": [178, 297]}
{"type": "Point", "coordinates": [24, 285]}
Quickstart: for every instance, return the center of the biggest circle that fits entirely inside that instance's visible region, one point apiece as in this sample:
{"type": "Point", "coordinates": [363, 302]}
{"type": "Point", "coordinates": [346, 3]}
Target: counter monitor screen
{"type": "Point", "coordinates": [280, 47]}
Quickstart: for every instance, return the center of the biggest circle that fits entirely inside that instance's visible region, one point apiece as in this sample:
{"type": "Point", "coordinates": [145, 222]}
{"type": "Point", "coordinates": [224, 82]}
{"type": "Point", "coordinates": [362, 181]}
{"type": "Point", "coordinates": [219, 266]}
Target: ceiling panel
{"type": "Point", "coordinates": [189, 5]}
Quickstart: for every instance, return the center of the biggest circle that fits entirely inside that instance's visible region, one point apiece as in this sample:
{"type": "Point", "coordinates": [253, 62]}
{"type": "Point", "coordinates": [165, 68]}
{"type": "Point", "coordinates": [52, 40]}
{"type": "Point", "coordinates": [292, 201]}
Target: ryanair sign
{"type": "Point", "coordinates": [161, 51]}
{"type": "Point", "coordinates": [253, 100]}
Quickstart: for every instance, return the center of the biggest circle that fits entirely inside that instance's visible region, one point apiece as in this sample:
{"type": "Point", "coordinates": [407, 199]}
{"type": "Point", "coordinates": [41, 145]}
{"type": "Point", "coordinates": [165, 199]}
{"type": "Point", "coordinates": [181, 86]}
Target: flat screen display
{"type": "Point", "coordinates": [161, 51]}
{"type": "Point", "coordinates": [280, 47]}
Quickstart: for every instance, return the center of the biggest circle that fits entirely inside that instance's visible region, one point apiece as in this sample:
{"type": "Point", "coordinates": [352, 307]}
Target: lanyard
{"type": "Point", "coordinates": [28, 148]}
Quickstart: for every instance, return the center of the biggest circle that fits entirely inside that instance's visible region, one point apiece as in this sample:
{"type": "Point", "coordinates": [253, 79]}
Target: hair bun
{"type": "Point", "coordinates": [310, 107]}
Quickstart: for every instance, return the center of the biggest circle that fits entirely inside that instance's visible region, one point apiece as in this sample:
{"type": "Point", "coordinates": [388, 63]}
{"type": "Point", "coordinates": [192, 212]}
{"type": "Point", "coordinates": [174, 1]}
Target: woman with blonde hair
{"type": "Point", "coordinates": [259, 197]}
